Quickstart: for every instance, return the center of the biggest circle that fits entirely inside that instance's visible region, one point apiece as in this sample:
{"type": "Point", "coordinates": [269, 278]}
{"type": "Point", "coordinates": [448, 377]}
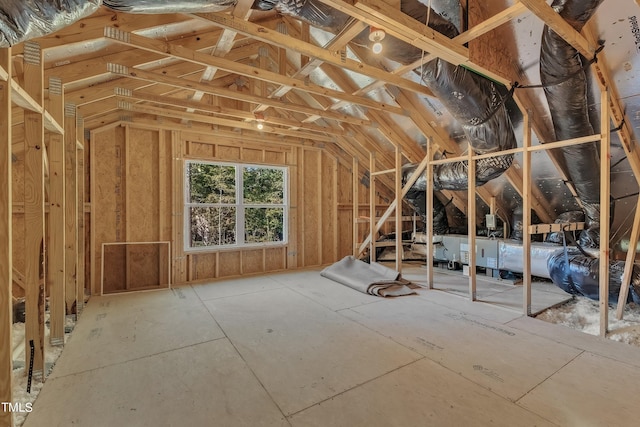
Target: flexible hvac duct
{"type": "Point", "coordinates": [418, 199]}
{"type": "Point", "coordinates": [581, 276]}
{"type": "Point", "coordinates": [27, 19]}
{"type": "Point", "coordinates": [472, 99]}
{"type": "Point", "coordinates": [562, 73]}
{"type": "Point", "coordinates": [168, 6]}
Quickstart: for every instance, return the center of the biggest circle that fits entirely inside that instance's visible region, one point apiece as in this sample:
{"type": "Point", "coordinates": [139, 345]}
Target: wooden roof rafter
{"type": "Point", "coordinates": [201, 118]}
{"type": "Point", "coordinates": [354, 141]}
{"type": "Point", "coordinates": [274, 38]}
{"type": "Point", "coordinates": [182, 53]}
{"type": "Point", "coordinates": [412, 151]}
{"type": "Point", "coordinates": [337, 43]}
{"type": "Point", "coordinates": [247, 116]}
{"type": "Point", "coordinates": [241, 10]}
{"type": "Point", "coordinates": [401, 26]}
{"type": "Point", "coordinates": [464, 37]}
{"type": "Point", "coordinates": [226, 93]}
{"type": "Point", "coordinates": [237, 136]}
{"type": "Point", "coordinates": [98, 92]}
{"type": "Point", "coordinates": [83, 67]}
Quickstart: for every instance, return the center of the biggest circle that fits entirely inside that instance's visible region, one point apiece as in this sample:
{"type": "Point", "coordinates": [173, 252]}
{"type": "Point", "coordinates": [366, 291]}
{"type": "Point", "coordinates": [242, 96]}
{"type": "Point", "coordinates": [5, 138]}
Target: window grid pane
{"type": "Point", "coordinates": [264, 186]}
{"type": "Point", "coordinates": [224, 201]}
{"type": "Point", "coordinates": [212, 226]}
{"type": "Point", "coordinates": [263, 225]}
{"type": "Point", "coordinates": [210, 183]}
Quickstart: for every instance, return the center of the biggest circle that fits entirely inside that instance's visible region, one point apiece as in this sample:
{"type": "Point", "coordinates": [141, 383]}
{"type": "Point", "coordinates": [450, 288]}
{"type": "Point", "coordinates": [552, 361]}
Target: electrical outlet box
{"type": "Point", "coordinates": [491, 221]}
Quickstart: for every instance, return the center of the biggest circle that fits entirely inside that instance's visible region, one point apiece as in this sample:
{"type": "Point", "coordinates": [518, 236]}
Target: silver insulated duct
{"type": "Point", "coordinates": [473, 100]}
{"type": "Point", "coordinates": [168, 6]}
{"type": "Point", "coordinates": [562, 72]}
{"type": "Point", "coordinates": [563, 76]}
{"type": "Point", "coordinates": [22, 20]}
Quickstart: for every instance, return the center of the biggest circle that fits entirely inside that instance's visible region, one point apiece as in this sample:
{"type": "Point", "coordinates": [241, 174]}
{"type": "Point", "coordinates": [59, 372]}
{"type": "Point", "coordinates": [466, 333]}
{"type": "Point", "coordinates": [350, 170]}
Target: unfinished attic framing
{"type": "Point", "coordinates": [103, 115]}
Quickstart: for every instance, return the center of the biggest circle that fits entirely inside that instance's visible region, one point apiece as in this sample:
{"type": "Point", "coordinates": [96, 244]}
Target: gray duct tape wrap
{"type": "Point", "coordinates": [168, 6]}
{"type": "Point", "coordinates": [22, 20]}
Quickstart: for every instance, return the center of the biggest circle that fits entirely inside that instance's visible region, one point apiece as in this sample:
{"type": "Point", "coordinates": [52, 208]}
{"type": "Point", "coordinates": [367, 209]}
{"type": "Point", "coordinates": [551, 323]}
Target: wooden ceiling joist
{"type": "Point", "coordinates": [164, 112]}
{"type": "Point", "coordinates": [463, 38]}
{"type": "Point", "coordinates": [601, 71]}
{"type": "Point", "coordinates": [221, 111]}
{"type": "Point", "coordinates": [551, 18]}
{"type": "Point", "coordinates": [201, 132]}
{"type": "Point", "coordinates": [409, 30]}
{"type": "Point", "coordinates": [180, 52]}
{"type": "Point", "coordinates": [226, 93]}
{"type": "Point", "coordinates": [352, 29]}
{"type": "Point", "coordinates": [92, 27]}
{"type": "Point", "coordinates": [381, 15]}
{"type": "Point", "coordinates": [184, 115]}
{"type": "Point", "coordinates": [208, 60]}
{"type": "Point", "coordinates": [84, 68]}
{"type": "Point", "coordinates": [335, 58]}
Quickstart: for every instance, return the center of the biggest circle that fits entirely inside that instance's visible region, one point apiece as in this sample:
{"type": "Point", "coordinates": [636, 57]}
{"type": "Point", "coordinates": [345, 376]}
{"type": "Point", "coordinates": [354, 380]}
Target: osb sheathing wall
{"type": "Point", "coordinates": [137, 196]}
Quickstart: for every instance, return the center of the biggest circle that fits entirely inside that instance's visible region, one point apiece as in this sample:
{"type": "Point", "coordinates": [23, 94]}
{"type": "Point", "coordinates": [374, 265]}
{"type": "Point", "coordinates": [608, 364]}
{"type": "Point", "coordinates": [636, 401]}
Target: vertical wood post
{"type": "Point", "coordinates": [300, 197]}
{"type": "Point", "coordinates": [305, 37]}
{"type": "Point", "coordinates": [34, 209]}
{"type": "Point", "coordinates": [372, 206]}
{"type": "Point", "coordinates": [93, 250]}
{"type": "Point", "coordinates": [6, 247]}
{"type": "Point", "coordinates": [81, 230]}
{"type": "Point", "coordinates": [128, 277]}
{"type": "Point", "coordinates": [526, 215]}
{"type": "Point", "coordinates": [177, 207]}
{"type": "Point", "coordinates": [398, 190]}
{"type": "Point", "coordinates": [56, 245]}
{"type": "Point", "coordinates": [336, 211]}
{"type": "Point", "coordinates": [471, 222]}
{"type": "Point", "coordinates": [356, 195]}
{"type": "Point", "coordinates": [605, 165]}
{"type": "Point", "coordinates": [429, 213]}
{"type": "Point", "coordinates": [263, 58]}
{"type": "Point", "coordinates": [163, 183]}
{"type": "Point", "coordinates": [293, 239]}
{"type": "Point", "coordinates": [321, 213]}
{"type": "Point", "coordinates": [71, 208]}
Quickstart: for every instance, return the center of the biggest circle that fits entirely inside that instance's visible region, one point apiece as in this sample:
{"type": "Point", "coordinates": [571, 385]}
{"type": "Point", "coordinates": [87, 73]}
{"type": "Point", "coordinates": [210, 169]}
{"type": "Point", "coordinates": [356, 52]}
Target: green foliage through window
{"type": "Point", "coordinates": [234, 204]}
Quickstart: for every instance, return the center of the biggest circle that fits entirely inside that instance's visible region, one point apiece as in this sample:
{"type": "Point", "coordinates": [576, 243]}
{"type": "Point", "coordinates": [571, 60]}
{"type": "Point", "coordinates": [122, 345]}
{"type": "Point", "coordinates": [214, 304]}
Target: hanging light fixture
{"type": "Point", "coordinates": [376, 35]}
{"type": "Point", "coordinates": [259, 120]}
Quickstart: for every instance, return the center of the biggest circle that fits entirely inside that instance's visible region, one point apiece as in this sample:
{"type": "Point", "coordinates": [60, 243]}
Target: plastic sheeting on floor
{"type": "Point", "coordinates": [374, 279]}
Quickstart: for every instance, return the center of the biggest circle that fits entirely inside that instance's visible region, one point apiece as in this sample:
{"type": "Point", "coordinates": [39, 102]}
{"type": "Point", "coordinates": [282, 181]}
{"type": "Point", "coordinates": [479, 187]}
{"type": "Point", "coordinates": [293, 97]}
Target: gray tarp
{"type": "Point", "coordinates": [374, 279]}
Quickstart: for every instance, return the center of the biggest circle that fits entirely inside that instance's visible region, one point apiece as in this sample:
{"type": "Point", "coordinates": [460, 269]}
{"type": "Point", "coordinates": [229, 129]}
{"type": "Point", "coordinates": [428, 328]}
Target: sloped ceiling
{"type": "Point", "coordinates": [225, 71]}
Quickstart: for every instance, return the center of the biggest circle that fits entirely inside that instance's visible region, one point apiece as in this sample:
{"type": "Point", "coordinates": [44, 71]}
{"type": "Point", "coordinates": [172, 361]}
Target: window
{"type": "Point", "coordinates": [234, 204]}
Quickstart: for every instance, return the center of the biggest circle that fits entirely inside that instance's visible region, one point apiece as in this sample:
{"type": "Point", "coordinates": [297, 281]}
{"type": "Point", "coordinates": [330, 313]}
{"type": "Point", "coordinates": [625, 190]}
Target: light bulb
{"type": "Point", "coordinates": [377, 48]}
{"type": "Point", "coordinates": [260, 126]}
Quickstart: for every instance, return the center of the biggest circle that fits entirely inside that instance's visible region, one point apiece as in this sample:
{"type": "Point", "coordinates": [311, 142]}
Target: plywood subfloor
{"type": "Point", "coordinates": [497, 292]}
{"type": "Point", "coordinates": [296, 349]}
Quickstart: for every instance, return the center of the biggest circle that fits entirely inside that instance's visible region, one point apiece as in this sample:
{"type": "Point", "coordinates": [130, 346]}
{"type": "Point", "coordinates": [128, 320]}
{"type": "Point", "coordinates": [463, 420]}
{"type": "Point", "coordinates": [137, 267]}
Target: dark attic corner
{"type": "Point", "coordinates": [206, 203]}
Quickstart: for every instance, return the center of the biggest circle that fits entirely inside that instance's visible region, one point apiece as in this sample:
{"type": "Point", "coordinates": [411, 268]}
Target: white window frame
{"type": "Point", "coordinates": [239, 205]}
